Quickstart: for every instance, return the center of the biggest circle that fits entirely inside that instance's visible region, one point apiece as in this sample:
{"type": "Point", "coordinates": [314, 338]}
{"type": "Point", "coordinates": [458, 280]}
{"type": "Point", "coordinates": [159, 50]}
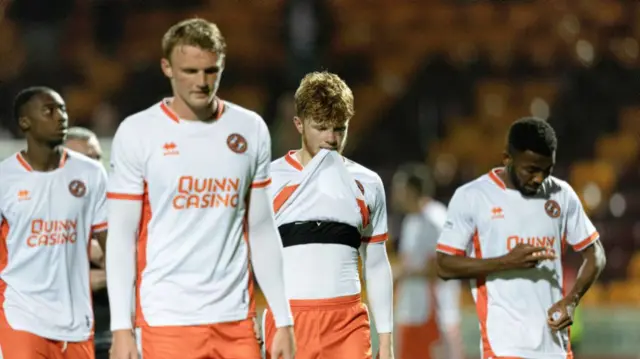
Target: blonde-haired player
{"type": "Point", "coordinates": [328, 209]}
{"type": "Point", "coordinates": [189, 206]}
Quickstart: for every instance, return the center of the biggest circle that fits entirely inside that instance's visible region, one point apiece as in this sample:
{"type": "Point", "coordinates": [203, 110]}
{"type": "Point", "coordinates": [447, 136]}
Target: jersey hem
{"type": "Point", "coordinates": [55, 335]}
{"type": "Point", "coordinates": [233, 317]}
{"type": "Point", "coordinates": [530, 355]}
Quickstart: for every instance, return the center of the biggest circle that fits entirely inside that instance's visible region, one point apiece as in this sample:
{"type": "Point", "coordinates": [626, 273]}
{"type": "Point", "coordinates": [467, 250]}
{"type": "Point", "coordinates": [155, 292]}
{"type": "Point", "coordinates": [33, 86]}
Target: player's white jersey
{"type": "Point", "coordinates": [324, 212]}
{"type": "Point", "coordinates": [47, 221]}
{"type": "Point", "coordinates": [485, 220]}
{"type": "Point", "coordinates": [420, 232]}
{"type": "Point", "coordinates": [194, 179]}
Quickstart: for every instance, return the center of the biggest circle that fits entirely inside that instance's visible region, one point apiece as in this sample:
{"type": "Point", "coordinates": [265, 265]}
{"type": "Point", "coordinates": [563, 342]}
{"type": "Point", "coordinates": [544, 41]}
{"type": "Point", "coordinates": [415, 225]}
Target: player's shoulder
{"type": "Point", "coordinates": [243, 114]}
{"type": "Point", "coordinates": [141, 120]}
{"type": "Point", "coordinates": [434, 208]}
{"type": "Point", "coordinates": [556, 187]}
{"type": "Point", "coordinates": [362, 173]}
{"type": "Point", "coordinates": [281, 164]}
{"type": "Point", "coordinates": [82, 162]}
{"type": "Point", "coordinates": [9, 164]}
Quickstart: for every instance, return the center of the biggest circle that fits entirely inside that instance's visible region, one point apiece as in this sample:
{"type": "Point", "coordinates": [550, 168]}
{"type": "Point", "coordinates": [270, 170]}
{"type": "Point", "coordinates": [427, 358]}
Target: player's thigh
{"type": "Point", "coordinates": [417, 341]}
{"type": "Point", "coordinates": [346, 333]}
{"type": "Point", "coordinates": [185, 342]}
{"type": "Point", "coordinates": [16, 344]}
{"type": "Point", "coordinates": [234, 340]}
{"type": "Point", "coordinates": [79, 350]}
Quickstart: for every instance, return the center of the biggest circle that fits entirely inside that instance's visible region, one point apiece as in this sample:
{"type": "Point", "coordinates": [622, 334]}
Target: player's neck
{"type": "Point", "coordinates": [303, 156]}
{"type": "Point", "coordinates": [506, 179]}
{"type": "Point", "coordinates": [42, 157]}
{"type": "Point", "coordinates": [187, 113]}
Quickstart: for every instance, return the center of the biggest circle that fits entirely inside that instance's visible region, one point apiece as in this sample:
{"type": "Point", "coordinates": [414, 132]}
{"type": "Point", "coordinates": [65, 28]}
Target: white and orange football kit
{"type": "Point", "coordinates": [47, 222]}
{"type": "Point", "coordinates": [427, 311]}
{"type": "Point", "coordinates": [192, 181]}
{"type": "Point", "coordinates": [485, 220]}
{"type": "Point", "coordinates": [326, 212]}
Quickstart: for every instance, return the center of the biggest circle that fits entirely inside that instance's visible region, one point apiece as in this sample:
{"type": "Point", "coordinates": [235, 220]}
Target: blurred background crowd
{"type": "Point", "coordinates": [435, 81]}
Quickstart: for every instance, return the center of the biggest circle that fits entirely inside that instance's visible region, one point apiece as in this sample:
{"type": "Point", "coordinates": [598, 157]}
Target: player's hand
{"type": "Point", "coordinates": [524, 256]}
{"type": "Point", "coordinates": [123, 345]}
{"type": "Point", "coordinates": [560, 315]}
{"type": "Point", "coordinates": [284, 344]}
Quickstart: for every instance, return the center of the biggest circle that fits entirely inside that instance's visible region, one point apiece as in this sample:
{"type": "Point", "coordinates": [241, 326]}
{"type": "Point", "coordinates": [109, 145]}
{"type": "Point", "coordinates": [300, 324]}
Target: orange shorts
{"type": "Point", "coordinates": [17, 344]}
{"type": "Point", "coordinates": [418, 341]}
{"type": "Point", "coordinates": [326, 328]}
{"type": "Point", "coordinates": [215, 341]}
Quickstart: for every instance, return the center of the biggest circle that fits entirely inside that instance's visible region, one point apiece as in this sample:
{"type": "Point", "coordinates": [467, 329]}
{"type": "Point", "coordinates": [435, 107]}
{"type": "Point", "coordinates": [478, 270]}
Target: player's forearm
{"type": "Point", "coordinates": [98, 279]}
{"type": "Point", "coordinates": [593, 262]}
{"type": "Point", "coordinates": [377, 271]}
{"type": "Point", "coordinates": [459, 267]}
{"type": "Point", "coordinates": [124, 219]}
{"type": "Point", "coordinates": [266, 256]}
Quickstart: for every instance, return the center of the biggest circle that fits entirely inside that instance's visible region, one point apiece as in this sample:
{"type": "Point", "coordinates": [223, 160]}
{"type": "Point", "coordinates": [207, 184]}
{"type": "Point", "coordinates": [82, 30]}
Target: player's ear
{"type": "Point", "coordinates": [24, 123]}
{"type": "Point", "coordinates": [297, 121]}
{"type": "Point", "coordinates": [166, 68]}
{"type": "Point", "coordinates": [506, 159]}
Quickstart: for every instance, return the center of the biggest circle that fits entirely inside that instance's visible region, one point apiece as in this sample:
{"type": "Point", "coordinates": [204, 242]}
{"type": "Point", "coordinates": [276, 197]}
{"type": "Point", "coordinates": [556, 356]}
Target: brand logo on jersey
{"type": "Point", "coordinates": [77, 188]}
{"type": "Point", "coordinates": [170, 149]}
{"type": "Point", "coordinates": [496, 213]}
{"type": "Point", "coordinates": [545, 241]}
{"type": "Point", "coordinates": [237, 143]}
{"type": "Point", "coordinates": [552, 208]}
{"type": "Point", "coordinates": [206, 193]}
{"type": "Point", "coordinates": [23, 195]}
{"type": "Point", "coordinates": [51, 233]}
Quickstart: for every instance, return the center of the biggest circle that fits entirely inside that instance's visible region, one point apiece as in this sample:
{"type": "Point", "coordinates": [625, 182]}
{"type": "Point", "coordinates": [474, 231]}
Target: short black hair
{"type": "Point", "coordinates": [418, 177]}
{"type": "Point", "coordinates": [23, 97]}
{"type": "Point", "coordinates": [532, 134]}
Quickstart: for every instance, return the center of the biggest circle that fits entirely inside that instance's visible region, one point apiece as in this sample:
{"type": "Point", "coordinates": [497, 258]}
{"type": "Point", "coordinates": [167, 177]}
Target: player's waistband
{"type": "Point", "coordinates": [325, 304]}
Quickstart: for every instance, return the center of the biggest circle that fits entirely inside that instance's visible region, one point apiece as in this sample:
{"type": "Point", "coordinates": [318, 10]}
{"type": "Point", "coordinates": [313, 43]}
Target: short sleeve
{"type": "Point", "coordinates": [126, 180]}
{"type": "Point", "coordinates": [580, 232]}
{"type": "Point", "coordinates": [460, 225]}
{"type": "Point", "coordinates": [99, 221]}
{"type": "Point", "coordinates": [262, 177]}
{"type": "Point", "coordinates": [377, 230]}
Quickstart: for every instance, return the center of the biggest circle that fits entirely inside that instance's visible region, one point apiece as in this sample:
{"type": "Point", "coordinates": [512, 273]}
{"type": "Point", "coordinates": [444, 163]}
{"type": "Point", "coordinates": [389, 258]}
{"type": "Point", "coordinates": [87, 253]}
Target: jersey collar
{"type": "Point", "coordinates": [27, 166]}
{"type": "Point", "coordinates": [289, 157]}
{"type": "Point", "coordinates": [164, 106]}
{"type": "Point", "coordinates": [494, 176]}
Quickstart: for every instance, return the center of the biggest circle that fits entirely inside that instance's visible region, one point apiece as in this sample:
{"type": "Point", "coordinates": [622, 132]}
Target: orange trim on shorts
{"type": "Point", "coordinates": [143, 239]}
{"type": "Point", "coordinates": [337, 302]}
{"type": "Point", "coordinates": [4, 261]}
{"type": "Point", "coordinates": [293, 161]}
{"type": "Point", "coordinates": [125, 196]}
{"type": "Point", "coordinates": [261, 184]}
{"type": "Point", "coordinates": [450, 250]}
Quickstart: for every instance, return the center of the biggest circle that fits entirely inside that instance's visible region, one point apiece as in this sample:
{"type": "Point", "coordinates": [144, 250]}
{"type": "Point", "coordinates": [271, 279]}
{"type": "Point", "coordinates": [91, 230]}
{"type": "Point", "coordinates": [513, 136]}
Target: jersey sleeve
{"type": "Point", "coordinates": [126, 180]}
{"type": "Point", "coordinates": [580, 232]}
{"type": "Point", "coordinates": [377, 230]}
{"type": "Point", "coordinates": [262, 177]}
{"type": "Point", "coordinates": [99, 221]}
{"type": "Point", "coordinates": [460, 225]}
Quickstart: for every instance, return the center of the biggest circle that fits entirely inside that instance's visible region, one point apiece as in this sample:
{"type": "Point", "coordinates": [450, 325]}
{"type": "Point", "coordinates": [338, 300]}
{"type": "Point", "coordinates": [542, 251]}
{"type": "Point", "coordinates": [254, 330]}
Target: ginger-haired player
{"type": "Point", "coordinates": [507, 231]}
{"type": "Point", "coordinates": [189, 207]}
{"type": "Point", "coordinates": [328, 210]}
{"type": "Point", "coordinates": [52, 201]}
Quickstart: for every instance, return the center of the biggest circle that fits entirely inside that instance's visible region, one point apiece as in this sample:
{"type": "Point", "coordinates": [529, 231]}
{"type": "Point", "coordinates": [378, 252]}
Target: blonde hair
{"type": "Point", "coordinates": [325, 98]}
{"type": "Point", "coordinates": [194, 32]}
